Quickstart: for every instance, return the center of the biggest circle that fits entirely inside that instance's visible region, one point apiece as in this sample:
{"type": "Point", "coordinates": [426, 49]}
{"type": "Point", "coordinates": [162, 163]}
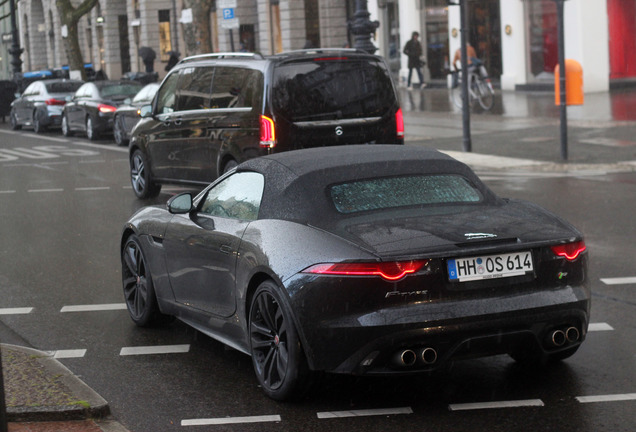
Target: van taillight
{"type": "Point", "coordinates": [268, 132]}
{"type": "Point", "coordinates": [399, 123]}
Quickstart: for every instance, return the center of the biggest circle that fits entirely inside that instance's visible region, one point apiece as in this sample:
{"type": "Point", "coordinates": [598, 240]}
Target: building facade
{"type": "Point", "coordinates": [516, 39]}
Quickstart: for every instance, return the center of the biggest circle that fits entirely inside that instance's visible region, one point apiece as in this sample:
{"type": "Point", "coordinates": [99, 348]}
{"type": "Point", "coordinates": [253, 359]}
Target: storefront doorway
{"type": "Point", "coordinates": [542, 37]}
{"type": "Point", "coordinates": [622, 38]}
{"type": "Point", "coordinates": [437, 38]}
{"type": "Point", "coordinates": [484, 19]}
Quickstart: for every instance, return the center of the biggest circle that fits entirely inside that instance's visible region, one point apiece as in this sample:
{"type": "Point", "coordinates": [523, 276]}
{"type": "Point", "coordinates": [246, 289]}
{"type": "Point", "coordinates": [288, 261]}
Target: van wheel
{"type": "Point", "coordinates": [229, 165]}
{"type": "Point", "coordinates": [142, 183]}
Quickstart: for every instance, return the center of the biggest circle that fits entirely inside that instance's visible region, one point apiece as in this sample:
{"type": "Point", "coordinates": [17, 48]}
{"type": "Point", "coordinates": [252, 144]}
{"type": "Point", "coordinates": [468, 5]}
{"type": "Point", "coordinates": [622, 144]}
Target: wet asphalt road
{"type": "Point", "coordinates": [62, 206]}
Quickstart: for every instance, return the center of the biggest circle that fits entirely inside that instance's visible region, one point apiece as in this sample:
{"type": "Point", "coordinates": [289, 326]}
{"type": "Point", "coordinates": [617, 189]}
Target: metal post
{"type": "Point", "coordinates": [562, 92]}
{"type": "Point", "coordinates": [467, 143]}
{"type": "Point", "coordinates": [362, 27]}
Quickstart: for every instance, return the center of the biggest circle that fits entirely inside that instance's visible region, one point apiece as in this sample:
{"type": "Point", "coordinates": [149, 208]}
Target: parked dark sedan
{"type": "Point", "coordinates": [371, 260]}
{"type": "Point", "coordinates": [92, 108]}
{"type": "Point", "coordinates": [41, 104]}
{"type": "Point", "coordinates": [127, 115]}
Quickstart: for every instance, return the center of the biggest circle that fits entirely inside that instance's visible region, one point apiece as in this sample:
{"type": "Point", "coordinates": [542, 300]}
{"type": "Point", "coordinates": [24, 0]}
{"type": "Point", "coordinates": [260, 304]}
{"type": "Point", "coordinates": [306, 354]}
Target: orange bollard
{"type": "Point", "coordinates": [573, 83]}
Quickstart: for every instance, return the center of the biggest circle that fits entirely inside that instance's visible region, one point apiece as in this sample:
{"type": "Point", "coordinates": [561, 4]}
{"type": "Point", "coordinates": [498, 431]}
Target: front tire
{"type": "Point", "coordinates": [119, 133]}
{"type": "Point", "coordinates": [141, 179]}
{"type": "Point", "coordinates": [66, 130]}
{"type": "Point", "coordinates": [139, 292]}
{"type": "Point", "coordinates": [277, 355]}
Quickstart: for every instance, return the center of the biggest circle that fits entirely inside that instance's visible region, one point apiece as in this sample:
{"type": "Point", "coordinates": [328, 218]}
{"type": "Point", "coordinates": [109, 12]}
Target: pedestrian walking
{"type": "Point", "coordinates": [413, 50]}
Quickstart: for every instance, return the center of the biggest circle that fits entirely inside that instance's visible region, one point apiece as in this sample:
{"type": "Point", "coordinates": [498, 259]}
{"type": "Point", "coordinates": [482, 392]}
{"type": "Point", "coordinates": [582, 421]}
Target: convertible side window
{"type": "Point", "coordinates": [237, 197]}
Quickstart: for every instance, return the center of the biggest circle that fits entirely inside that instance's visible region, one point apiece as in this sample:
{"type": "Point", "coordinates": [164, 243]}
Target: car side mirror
{"type": "Point", "coordinates": [145, 111]}
{"type": "Point", "coordinates": [180, 204]}
{"type": "Point", "coordinates": [127, 101]}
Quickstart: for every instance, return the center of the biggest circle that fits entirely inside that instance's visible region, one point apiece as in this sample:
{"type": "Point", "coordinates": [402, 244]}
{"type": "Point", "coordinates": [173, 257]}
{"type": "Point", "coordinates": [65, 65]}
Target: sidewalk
{"type": "Point", "coordinates": [42, 395]}
{"type": "Point", "coordinates": [523, 131]}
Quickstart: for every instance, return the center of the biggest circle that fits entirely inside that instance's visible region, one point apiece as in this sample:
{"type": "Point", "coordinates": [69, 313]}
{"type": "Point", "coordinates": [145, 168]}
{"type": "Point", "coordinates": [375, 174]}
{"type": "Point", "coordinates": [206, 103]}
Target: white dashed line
{"type": "Point", "coordinates": [97, 188]}
{"type": "Point", "coordinates": [159, 349]}
{"type": "Point", "coordinates": [364, 413]}
{"type": "Point", "coordinates": [94, 308]}
{"type": "Point", "coordinates": [15, 311]}
{"type": "Point", "coordinates": [7, 192]}
{"type": "Point", "coordinates": [619, 281]}
{"type": "Point", "coordinates": [65, 354]}
{"type": "Point", "coordinates": [607, 398]}
{"type": "Point", "coordinates": [496, 405]}
{"type": "Point", "coordinates": [599, 327]}
{"type": "Point", "coordinates": [44, 190]}
{"type": "Point", "coordinates": [231, 420]}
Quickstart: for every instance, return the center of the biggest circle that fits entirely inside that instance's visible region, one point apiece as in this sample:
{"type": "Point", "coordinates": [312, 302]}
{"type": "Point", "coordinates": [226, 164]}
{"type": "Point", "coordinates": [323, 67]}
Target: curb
{"type": "Point", "coordinates": [93, 406]}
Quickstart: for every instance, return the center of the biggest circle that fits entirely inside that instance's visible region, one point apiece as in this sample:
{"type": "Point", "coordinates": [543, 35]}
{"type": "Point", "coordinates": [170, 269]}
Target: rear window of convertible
{"type": "Point", "coordinates": [408, 191]}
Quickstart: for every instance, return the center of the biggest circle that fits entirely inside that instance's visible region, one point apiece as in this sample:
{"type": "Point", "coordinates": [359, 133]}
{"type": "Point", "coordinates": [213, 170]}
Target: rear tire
{"type": "Point", "coordinates": [143, 185]}
{"type": "Point", "coordinates": [277, 355]}
{"type": "Point", "coordinates": [139, 291]}
{"type": "Point", "coordinates": [91, 133]}
{"type": "Point", "coordinates": [37, 125]}
{"type": "Point", "coordinates": [13, 120]}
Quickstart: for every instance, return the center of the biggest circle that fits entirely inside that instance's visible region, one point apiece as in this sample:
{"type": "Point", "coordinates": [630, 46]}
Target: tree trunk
{"type": "Point", "coordinates": [69, 17]}
{"type": "Point", "coordinates": [197, 34]}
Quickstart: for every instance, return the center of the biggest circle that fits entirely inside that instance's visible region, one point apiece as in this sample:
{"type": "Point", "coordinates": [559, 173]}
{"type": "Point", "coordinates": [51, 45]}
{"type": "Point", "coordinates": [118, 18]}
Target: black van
{"type": "Point", "coordinates": [214, 111]}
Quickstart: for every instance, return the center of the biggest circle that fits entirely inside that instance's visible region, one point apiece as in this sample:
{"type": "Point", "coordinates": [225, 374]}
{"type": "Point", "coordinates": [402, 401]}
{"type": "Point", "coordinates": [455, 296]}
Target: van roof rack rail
{"type": "Point", "coordinates": [223, 55]}
{"type": "Point", "coordinates": [323, 50]}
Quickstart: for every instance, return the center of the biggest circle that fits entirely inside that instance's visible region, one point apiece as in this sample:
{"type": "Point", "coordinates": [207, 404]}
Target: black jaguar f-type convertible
{"type": "Point", "coordinates": [373, 260]}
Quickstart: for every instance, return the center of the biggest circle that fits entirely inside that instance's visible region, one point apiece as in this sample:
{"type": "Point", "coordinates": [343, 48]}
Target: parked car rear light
{"type": "Point", "coordinates": [268, 132]}
{"type": "Point", "coordinates": [103, 108]}
{"type": "Point", "coordinates": [399, 123]}
{"type": "Point", "coordinates": [569, 251]}
{"type": "Point", "coordinates": [390, 271]}
{"type": "Point", "coordinates": [54, 101]}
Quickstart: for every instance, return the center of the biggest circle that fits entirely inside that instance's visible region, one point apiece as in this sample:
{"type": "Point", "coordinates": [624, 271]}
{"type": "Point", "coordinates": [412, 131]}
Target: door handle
{"type": "Point", "coordinates": [226, 249]}
{"type": "Point", "coordinates": [177, 121]}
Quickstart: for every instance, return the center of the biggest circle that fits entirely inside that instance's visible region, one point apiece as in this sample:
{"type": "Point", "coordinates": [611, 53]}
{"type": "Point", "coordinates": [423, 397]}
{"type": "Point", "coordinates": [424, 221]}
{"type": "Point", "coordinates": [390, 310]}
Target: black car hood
{"type": "Point", "coordinates": [450, 229]}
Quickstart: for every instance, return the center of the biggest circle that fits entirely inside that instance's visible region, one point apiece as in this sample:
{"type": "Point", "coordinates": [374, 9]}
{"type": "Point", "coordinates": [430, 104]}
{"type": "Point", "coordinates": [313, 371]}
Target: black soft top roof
{"type": "Point", "coordinates": [296, 182]}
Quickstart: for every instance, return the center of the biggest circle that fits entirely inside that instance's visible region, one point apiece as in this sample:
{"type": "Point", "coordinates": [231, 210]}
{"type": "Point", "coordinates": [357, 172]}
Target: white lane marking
{"type": "Point", "coordinates": [71, 353]}
{"type": "Point", "coordinates": [15, 311]}
{"type": "Point", "coordinates": [607, 398]}
{"type": "Point", "coordinates": [495, 405]}
{"type": "Point", "coordinates": [619, 280]}
{"type": "Point", "coordinates": [231, 420]}
{"type": "Point", "coordinates": [7, 192]}
{"type": "Point", "coordinates": [599, 327]}
{"type": "Point", "coordinates": [364, 413]}
{"type": "Point", "coordinates": [96, 188]}
{"type": "Point", "coordinates": [94, 307]}
{"type": "Point", "coordinates": [159, 349]}
{"type": "Point", "coordinates": [49, 138]}
{"type": "Point", "coordinates": [102, 146]}
{"type": "Point", "coordinates": [44, 190]}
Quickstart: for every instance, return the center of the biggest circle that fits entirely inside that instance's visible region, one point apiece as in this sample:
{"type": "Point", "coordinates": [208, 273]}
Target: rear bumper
{"type": "Point", "coordinates": [371, 343]}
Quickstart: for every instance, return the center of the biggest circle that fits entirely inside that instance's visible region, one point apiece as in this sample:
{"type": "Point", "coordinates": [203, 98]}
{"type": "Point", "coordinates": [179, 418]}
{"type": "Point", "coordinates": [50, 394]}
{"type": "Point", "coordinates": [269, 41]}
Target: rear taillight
{"type": "Point", "coordinates": [569, 251]}
{"type": "Point", "coordinates": [390, 271]}
{"type": "Point", "coordinates": [399, 123]}
{"type": "Point", "coordinates": [268, 132]}
{"type": "Point", "coordinates": [103, 108]}
{"type": "Point", "coordinates": [54, 101]}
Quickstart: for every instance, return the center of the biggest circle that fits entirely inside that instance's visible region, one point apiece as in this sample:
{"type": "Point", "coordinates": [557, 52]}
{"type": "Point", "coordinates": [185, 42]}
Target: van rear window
{"type": "Point", "coordinates": [332, 88]}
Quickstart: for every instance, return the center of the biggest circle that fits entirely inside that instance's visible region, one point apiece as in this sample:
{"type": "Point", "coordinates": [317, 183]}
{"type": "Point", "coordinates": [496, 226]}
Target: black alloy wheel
{"type": "Point", "coordinates": [91, 134]}
{"type": "Point", "coordinates": [13, 120]}
{"type": "Point", "coordinates": [143, 185]}
{"type": "Point", "coordinates": [277, 355]}
{"type": "Point", "coordinates": [139, 291]}
{"type": "Point", "coordinates": [66, 129]}
{"type": "Point", "coordinates": [118, 131]}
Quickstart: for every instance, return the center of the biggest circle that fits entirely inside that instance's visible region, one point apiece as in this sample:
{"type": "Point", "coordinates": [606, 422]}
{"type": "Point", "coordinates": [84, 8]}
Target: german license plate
{"type": "Point", "coordinates": [489, 266]}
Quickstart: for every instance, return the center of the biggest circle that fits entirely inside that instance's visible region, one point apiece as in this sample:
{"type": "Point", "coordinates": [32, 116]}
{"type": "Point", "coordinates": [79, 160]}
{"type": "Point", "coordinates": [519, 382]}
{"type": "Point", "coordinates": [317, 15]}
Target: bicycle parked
{"type": "Point", "coordinates": [479, 87]}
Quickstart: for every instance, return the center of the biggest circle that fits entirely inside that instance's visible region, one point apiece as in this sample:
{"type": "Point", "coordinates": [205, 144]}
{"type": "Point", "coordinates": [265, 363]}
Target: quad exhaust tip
{"type": "Point", "coordinates": [558, 337]}
{"type": "Point", "coordinates": [409, 357]}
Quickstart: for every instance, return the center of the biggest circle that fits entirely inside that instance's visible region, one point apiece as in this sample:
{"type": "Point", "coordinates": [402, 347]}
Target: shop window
{"type": "Point", "coordinates": [543, 47]}
{"type": "Point", "coordinates": [165, 42]}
